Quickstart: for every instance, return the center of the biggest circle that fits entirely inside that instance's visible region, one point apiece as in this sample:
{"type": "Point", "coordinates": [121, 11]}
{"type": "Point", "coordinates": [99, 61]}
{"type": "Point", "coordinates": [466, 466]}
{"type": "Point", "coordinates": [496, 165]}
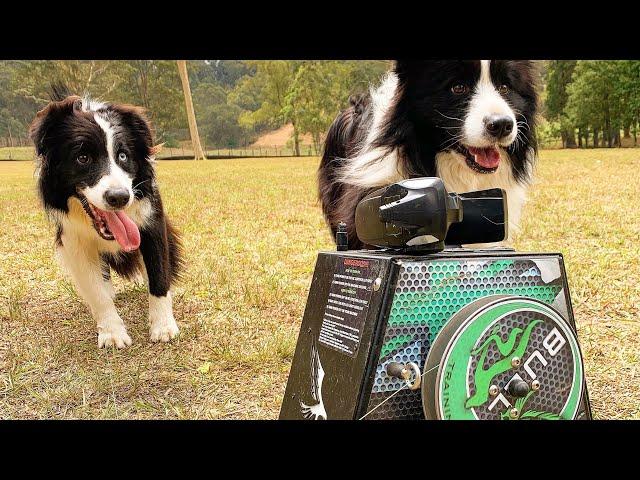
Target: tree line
{"type": "Point", "coordinates": [585, 103]}
{"type": "Point", "coordinates": [234, 101]}
{"type": "Point", "coordinates": [591, 103]}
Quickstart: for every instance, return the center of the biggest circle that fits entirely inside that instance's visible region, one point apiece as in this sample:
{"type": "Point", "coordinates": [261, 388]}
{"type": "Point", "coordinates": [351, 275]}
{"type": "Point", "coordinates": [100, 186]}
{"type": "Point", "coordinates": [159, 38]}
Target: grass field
{"type": "Point", "coordinates": [251, 230]}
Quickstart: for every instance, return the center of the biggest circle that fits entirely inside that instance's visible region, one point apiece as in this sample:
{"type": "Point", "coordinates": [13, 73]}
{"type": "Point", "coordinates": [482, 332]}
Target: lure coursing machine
{"type": "Point", "coordinates": [422, 327]}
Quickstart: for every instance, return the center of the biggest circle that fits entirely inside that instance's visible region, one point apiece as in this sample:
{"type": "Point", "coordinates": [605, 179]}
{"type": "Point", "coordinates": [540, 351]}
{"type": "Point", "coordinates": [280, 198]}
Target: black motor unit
{"type": "Point", "coordinates": [420, 215]}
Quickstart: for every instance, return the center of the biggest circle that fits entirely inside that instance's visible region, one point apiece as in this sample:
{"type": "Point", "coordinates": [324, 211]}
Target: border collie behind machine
{"type": "Point", "coordinates": [470, 123]}
{"type": "Point", "coordinates": [96, 180]}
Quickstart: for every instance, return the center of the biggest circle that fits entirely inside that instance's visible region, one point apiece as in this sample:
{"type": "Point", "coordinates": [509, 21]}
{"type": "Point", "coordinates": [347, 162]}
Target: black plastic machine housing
{"type": "Point", "coordinates": [419, 214]}
{"type": "Point", "coordinates": [352, 355]}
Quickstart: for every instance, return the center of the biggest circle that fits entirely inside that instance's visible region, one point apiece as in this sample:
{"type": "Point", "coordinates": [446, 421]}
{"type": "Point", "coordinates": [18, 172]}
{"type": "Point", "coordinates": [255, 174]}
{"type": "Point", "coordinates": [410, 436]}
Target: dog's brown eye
{"type": "Point", "coordinates": [82, 159]}
{"type": "Point", "coordinates": [459, 89]}
{"type": "Point", "coordinates": [503, 90]}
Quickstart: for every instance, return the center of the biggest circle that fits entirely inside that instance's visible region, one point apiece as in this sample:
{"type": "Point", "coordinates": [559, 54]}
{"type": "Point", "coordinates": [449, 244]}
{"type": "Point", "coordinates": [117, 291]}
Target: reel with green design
{"type": "Point", "coordinates": [504, 357]}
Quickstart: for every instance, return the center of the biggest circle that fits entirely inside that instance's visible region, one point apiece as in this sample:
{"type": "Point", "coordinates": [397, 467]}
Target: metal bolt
{"type": "Point", "coordinates": [513, 413]}
{"type": "Point", "coordinates": [515, 361]}
{"type": "Point", "coordinates": [535, 385]}
{"type": "Point", "coordinates": [494, 390]}
{"type": "Point", "coordinates": [377, 283]}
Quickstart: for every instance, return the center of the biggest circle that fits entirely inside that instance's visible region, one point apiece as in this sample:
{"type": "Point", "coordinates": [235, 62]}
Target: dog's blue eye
{"type": "Point", "coordinates": [82, 159]}
{"type": "Point", "coordinates": [122, 157]}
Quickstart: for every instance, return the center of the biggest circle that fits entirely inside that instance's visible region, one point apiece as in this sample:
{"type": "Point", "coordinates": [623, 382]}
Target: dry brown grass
{"type": "Point", "coordinates": [251, 230]}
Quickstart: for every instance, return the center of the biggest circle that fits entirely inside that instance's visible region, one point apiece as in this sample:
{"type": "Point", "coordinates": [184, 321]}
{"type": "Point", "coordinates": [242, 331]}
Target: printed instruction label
{"type": "Point", "coordinates": [348, 303]}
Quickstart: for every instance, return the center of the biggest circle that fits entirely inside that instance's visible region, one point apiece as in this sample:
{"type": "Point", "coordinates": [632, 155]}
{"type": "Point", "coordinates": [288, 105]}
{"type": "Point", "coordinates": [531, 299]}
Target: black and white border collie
{"type": "Point", "coordinates": [96, 180]}
{"type": "Point", "coordinates": [470, 123]}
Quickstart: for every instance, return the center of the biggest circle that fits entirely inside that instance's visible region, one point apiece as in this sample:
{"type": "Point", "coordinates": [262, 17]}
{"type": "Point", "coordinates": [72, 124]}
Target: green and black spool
{"type": "Point", "coordinates": [454, 334]}
{"type": "Point", "coordinates": [504, 357]}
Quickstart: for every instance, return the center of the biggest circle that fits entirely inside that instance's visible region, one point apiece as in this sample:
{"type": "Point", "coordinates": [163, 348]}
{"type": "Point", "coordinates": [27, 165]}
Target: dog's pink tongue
{"type": "Point", "coordinates": [486, 157]}
{"type": "Point", "coordinates": [123, 228]}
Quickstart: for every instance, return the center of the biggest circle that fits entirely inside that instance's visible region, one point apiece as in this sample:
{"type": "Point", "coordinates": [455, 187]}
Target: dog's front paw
{"type": "Point", "coordinates": [164, 330]}
{"type": "Point", "coordinates": [113, 336]}
{"type": "Point", "coordinates": [163, 325]}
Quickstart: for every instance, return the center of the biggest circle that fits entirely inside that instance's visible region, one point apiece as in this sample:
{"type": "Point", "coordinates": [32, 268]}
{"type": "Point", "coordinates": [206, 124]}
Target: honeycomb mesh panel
{"type": "Point", "coordinates": [427, 294]}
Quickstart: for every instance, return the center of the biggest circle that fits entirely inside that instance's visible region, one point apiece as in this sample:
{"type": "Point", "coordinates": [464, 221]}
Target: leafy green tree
{"type": "Point", "coordinates": [16, 111]}
{"type": "Point", "coordinates": [558, 77]}
{"type": "Point", "coordinates": [628, 92]}
{"type": "Point", "coordinates": [597, 98]}
{"type": "Point", "coordinates": [321, 89]}
{"type": "Point", "coordinates": [98, 78]}
{"type": "Point", "coordinates": [154, 85]}
{"type": "Point", "coordinates": [269, 88]}
{"type": "Point", "coordinates": [308, 94]}
{"type": "Point", "coordinates": [217, 119]}
{"type": "Point", "coordinates": [225, 73]}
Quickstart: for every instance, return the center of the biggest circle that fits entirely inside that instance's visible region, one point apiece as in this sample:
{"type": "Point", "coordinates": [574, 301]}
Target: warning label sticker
{"type": "Point", "coordinates": [348, 303]}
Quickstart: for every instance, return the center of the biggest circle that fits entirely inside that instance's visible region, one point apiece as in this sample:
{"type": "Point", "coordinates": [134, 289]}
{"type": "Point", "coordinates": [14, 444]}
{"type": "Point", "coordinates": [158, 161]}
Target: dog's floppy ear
{"type": "Point", "coordinates": [408, 66]}
{"type": "Point", "coordinates": [529, 71]}
{"type": "Point", "coordinates": [407, 70]}
{"type": "Point", "coordinates": [44, 118]}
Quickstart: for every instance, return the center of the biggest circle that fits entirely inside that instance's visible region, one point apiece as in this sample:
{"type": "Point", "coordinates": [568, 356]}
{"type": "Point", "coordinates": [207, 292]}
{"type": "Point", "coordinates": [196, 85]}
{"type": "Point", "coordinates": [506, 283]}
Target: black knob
{"type": "Point", "coordinates": [518, 388]}
{"type": "Point", "coordinates": [395, 369]}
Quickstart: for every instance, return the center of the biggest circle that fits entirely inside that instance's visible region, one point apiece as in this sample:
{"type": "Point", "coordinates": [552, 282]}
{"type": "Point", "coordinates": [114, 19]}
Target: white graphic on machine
{"type": "Point", "coordinates": [317, 411]}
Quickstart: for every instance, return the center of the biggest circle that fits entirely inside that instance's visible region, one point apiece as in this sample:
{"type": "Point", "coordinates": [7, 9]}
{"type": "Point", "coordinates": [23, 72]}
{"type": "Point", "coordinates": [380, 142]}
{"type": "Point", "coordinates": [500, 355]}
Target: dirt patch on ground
{"type": "Point", "coordinates": [280, 137]}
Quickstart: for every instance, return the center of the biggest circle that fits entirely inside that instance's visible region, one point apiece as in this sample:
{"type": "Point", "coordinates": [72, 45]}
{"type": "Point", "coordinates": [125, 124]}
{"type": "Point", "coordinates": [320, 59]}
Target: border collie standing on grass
{"type": "Point", "coordinates": [470, 123]}
{"type": "Point", "coordinates": [96, 180]}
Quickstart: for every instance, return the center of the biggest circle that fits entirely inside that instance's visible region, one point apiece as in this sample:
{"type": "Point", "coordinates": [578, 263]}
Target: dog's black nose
{"type": "Point", "coordinates": [116, 197]}
{"type": "Point", "coordinates": [498, 126]}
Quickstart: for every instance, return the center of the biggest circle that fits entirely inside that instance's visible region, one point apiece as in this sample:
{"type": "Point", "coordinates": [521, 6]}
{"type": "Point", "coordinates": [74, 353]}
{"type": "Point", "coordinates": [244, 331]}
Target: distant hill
{"type": "Point", "coordinates": [280, 137]}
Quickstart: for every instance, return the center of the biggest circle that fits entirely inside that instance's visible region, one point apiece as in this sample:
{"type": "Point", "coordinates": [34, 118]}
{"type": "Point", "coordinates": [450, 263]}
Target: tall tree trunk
{"type": "Point", "coordinates": [198, 152]}
{"type": "Point", "coordinates": [143, 84]}
{"type": "Point", "coordinates": [607, 124]}
{"type": "Point", "coordinates": [570, 138]}
{"type": "Point", "coordinates": [609, 137]}
{"type": "Point", "coordinates": [316, 143]}
{"type": "Point", "coordinates": [627, 131]}
{"type": "Point", "coordinates": [596, 133]}
{"type": "Point", "coordinates": [579, 137]}
{"type": "Point", "coordinates": [296, 139]}
{"type": "Point", "coordinates": [586, 137]}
